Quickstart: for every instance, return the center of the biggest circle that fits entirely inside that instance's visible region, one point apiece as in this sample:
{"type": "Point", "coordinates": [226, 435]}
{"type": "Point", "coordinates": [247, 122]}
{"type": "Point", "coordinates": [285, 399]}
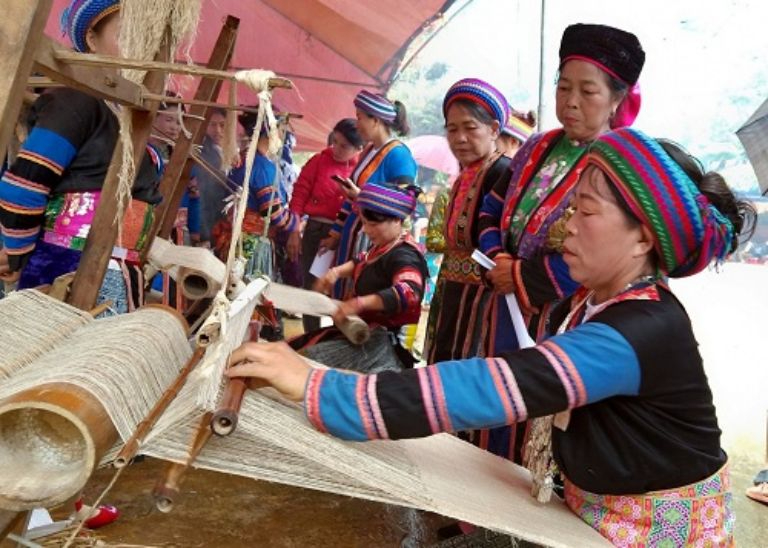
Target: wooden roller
{"type": "Point", "coordinates": [224, 419]}
{"type": "Point", "coordinates": [53, 437]}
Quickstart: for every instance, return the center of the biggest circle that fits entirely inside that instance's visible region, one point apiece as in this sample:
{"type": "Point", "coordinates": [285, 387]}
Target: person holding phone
{"type": "Point", "coordinates": [318, 195]}
{"type": "Point", "coordinates": [385, 159]}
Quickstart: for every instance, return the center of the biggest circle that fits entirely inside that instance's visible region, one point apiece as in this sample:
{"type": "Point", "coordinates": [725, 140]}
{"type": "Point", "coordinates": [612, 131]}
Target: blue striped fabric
{"type": "Point", "coordinates": [81, 15]}
{"type": "Point", "coordinates": [376, 105]}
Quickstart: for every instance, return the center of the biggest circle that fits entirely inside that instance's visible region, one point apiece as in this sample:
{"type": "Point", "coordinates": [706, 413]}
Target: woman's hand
{"type": "Point", "coordinates": [351, 307]}
{"type": "Point", "coordinates": [350, 191]}
{"type": "Point", "coordinates": [275, 363]}
{"type": "Point", "coordinates": [293, 246]}
{"type": "Point", "coordinates": [328, 244]}
{"type": "Point", "coordinates": [326, 282]}
{"type": "Point", "coordinates": [6, 274]}
{"type": "Point", "coordinates": [501, 274]}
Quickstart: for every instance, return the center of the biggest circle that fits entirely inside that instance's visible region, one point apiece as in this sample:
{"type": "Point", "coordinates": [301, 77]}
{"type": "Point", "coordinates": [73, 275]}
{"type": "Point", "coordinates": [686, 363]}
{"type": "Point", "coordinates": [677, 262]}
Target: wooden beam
{"type": "Point", "coordinates": [21, 28]}
{"type": "Point", "coordinates": [101, 238]}
{"type": "Point", "coordinates": [104, 83]}
{"type": "Point", "coordinates": [177, 172]}
{"type": "Point", "coordinates": [94, 60]}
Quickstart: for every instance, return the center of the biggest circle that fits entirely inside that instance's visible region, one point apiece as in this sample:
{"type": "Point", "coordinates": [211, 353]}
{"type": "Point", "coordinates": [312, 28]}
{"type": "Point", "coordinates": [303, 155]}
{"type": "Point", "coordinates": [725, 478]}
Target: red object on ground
{"type": "Point", "coordinates": [329, 48]}
{"type": "Point", "coordinates": [104, 516]}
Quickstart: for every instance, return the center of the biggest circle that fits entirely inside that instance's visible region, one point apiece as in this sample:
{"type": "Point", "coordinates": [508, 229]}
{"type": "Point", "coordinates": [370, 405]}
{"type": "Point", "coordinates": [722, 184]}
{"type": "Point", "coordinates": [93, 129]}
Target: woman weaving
{"type": "Point", "coordinates": [638, 443]}
{"type": "Point", "coordinates": [387, 286]}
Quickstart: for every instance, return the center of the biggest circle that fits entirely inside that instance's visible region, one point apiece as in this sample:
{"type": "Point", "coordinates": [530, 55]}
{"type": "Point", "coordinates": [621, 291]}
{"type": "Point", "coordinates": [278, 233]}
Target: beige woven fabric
{"type": "Point", "coordinates": [30, 324]}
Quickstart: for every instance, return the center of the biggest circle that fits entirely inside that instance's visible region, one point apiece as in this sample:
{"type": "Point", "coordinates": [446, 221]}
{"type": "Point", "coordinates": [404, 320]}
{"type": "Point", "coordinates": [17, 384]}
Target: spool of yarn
{"type": "Point", "coordinates": [197, 271]}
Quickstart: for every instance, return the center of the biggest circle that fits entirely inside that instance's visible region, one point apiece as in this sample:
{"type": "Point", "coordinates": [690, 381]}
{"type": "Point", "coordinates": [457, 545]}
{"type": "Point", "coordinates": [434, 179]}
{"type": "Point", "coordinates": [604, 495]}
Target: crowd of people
{"type": "Point", "coordinates": [584, 224]}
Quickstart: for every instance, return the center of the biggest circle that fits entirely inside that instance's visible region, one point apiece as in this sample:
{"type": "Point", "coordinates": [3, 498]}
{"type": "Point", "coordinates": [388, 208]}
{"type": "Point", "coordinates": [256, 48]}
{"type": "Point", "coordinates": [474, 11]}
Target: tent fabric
{"type": "Point", "coordinates": [329, 48]}
{"type": "Point", "coordinates": [754, 137]}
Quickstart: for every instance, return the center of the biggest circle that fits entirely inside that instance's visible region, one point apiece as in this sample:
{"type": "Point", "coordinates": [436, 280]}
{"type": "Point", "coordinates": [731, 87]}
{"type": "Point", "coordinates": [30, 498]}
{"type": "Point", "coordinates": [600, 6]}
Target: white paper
{"type": "Point", "coordinates": [321, 264]}
{"type": "Point", "coordinates": [523, 338]}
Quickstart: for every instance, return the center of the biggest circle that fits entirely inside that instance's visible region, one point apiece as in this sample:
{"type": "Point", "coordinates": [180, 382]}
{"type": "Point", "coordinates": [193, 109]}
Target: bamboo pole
{"type": "Point", "coordinates": [168, 486]}
{"type": "Point", "coordinates": [94, 60]}
{"type": "Point", "coordinates": [132, 446]}
{"type": "Point", "coordinates": [225, 106]}
{"type": "Point", "coordinates": [224, 420]}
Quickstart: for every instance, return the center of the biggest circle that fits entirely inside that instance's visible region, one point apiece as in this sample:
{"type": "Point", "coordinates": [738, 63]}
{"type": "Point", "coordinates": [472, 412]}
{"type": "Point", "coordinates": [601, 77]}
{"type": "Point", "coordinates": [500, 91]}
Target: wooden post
{"type": "Point", "coordinates": [101, 238]}
{"type": "Point", "coordinates": [177, 172]}
{"type": "Point", "coordinates": [21, 28]}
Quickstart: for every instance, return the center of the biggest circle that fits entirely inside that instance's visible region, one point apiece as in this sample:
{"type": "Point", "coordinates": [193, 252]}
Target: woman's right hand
{"type": "Point", "coordinates": [501, 274]}
{"type": "Point", "coordinates": [326, 282]}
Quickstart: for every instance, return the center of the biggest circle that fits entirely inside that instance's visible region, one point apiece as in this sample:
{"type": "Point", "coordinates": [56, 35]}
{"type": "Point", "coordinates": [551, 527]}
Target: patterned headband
{"type": "Point", "coordinates": [689, 231]}
{"type": "Point", "coordinates": [376, 105]}
{"type": "Point", "coordinates": [481, 93]}
{"type": "Point", "coordinates": [518, 129]}
{"type": "Point", "coordinates": [388, 199]}
{"type": "Point", "coordinates": [82, 15]}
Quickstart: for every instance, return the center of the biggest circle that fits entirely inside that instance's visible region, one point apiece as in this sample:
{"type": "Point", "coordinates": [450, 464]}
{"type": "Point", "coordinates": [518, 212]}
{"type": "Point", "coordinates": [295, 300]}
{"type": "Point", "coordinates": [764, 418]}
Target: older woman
{"type": "Point", "coordinates": [49, 195]}
{"type": "Point", "coordinates": [637, 439]}
{"type": "Point", "coordinates": [385, 159]}
{"type": "Point", "coordinates": [387, 284]}
{"type": "Point", "coordinates": [599, 68]}
{"type": "Point", "coordinates": [520, 222]}
{"type": "Point", "coordinates": [461, 315]}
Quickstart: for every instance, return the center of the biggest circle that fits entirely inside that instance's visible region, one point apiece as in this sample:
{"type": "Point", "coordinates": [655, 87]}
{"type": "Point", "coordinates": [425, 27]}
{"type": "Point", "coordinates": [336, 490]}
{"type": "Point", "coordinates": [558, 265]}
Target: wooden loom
{"type": "Point", "coordinates": [25, 49]}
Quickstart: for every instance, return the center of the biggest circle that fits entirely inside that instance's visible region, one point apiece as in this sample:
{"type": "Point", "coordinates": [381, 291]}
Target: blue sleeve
{"type": "Point", "coordinates": [399, 165]}
{"type": "Point", "coordinates": [586, 365]}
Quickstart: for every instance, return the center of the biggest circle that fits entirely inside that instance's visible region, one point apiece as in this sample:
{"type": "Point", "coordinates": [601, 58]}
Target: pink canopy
{"type": "Point", "coordinates": [329, 48]}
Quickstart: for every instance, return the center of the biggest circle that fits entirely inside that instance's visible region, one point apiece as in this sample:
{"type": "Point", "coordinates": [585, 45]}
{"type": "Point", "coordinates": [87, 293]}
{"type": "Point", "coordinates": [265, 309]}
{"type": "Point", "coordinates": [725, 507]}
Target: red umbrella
{"type": "Point", "coordinates": [329, 48]}
{"type": "Point", "coordinates": [432, 151]}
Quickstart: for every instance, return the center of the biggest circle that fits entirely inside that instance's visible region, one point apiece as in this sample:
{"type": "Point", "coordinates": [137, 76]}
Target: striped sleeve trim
{"type": "Point", "coordinates": [25, 184]}
{"type": "Point", "coordinates": [434, 400]}
{"type": "Point", "coordinates": [508, 390]}
{"type": "Point", "coordinates": [312, 399]}
{"type": "Point", "coordinates": [520, 290]}
{"type": "Point", "coordinates": [552, 277]}
{"type": "Point", "coordinates": [566, 371]}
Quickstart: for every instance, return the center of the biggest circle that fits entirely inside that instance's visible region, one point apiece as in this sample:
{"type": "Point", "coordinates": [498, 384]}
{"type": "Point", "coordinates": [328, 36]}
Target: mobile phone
{"type": "Point", "coordinates": [342, 181]}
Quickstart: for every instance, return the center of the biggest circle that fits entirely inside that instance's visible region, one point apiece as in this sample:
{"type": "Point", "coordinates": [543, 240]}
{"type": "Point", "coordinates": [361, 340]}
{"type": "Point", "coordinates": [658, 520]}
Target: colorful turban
{"type": "Point", "coordinates": [689, 231]}
{"type": "Point", "coordinates": [481, 93]}
{"type": "Point", "coordinates": [388, 199]}
{"type": "Point", "coordinates": [82, 15]}
{"type": "Point", "coordinates": [517, 128]}
{"type": "Point", "coordinates": [376, 105]}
